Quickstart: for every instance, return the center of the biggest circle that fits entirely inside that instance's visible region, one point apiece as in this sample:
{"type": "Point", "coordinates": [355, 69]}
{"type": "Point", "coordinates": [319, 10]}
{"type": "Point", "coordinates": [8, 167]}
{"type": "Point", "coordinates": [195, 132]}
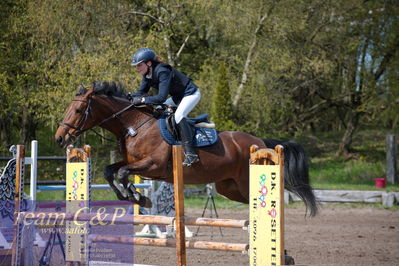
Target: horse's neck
{"type": "Point", "coordinates": [119, 125]}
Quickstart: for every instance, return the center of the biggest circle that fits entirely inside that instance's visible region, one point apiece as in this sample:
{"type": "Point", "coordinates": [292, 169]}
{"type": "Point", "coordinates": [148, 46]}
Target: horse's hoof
{"type": "Point", "coordinates": [288, 260]}
{"type": "Point", "coordinates": [141, 200]}
{"type": "Point", "coordinates": [135, 197]}
{"type": "Point", "coordinates": [144, 202]}
{"type": "Point", "coordinates": [120, 197]}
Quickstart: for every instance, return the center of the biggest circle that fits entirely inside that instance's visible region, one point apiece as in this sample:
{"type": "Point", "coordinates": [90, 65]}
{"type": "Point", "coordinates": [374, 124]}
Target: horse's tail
{"type": "Point", "coordinates": [296, 172]}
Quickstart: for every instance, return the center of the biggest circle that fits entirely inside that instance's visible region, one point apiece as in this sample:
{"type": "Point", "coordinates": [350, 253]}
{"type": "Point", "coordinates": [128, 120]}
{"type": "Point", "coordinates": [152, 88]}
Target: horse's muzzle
{"type": "Point", "coordinates": [64, 141]}
{"type": "Point", "coordinates": [59, 141]}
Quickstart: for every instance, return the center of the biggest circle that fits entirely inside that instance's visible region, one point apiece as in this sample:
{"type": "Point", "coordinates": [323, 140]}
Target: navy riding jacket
{"type": "Point", "coordinates": [167, 80]}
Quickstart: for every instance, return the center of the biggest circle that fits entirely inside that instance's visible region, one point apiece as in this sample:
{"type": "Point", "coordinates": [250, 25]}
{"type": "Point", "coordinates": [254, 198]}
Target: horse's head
{"type": "Point", "coordinates": [102, 105]}
{"type": "Point", "coordinates": [76, 119]}
{"type": "Point", "coordinates": [99, 105]}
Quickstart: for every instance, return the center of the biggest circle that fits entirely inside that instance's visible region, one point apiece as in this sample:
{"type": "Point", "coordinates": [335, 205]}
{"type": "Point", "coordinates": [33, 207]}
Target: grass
{"type": "Point", "coordinates": [341, 172]}
{"type": "Point", "coordinates": [60, 195]}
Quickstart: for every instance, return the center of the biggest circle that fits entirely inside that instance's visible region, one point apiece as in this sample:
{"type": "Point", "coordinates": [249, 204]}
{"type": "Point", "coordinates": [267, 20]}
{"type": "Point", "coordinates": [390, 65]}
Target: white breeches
{"type": "Point", "coordinates": [186, 105]}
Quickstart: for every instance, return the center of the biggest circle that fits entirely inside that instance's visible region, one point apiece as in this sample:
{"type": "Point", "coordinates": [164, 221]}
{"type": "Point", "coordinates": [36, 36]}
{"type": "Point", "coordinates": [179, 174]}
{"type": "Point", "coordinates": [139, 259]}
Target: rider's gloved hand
{"type": "Point", "coordinates": [129, 96]}
{"type": "Point", "coordinates": [137, 100]}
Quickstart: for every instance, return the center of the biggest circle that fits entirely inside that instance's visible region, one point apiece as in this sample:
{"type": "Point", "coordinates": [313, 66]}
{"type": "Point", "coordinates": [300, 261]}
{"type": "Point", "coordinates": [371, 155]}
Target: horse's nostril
{"type": "Point", "coordinates": [59, 140]}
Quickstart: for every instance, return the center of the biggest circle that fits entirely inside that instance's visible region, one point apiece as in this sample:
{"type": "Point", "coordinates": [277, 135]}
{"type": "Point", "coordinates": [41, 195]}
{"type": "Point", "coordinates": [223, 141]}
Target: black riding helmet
{"type": "Point", "coordinates": [143, 55]}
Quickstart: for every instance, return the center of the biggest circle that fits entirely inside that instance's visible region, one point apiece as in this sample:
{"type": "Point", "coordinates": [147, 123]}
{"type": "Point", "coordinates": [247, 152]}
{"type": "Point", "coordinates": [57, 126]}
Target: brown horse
{"type": "Point", "coordinates": [145, 152]}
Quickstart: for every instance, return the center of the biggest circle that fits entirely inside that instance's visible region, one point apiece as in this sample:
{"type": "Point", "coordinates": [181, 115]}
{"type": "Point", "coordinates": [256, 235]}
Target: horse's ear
{"type": "Point", "coordinates": [81, 90]}
{"type": "Point", "coordinates": [100, 87]}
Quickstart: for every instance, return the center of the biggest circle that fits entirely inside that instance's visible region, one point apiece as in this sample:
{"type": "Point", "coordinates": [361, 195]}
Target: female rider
{"type": "Point", "coordinates": [168, 81]}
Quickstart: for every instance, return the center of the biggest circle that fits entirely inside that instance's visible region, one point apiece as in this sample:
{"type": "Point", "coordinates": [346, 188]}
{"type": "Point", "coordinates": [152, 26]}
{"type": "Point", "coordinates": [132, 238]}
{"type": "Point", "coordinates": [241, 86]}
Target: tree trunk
{"type": "Point", "coordinates": [5, 133]}
{"type": "Point", "coordinates": [28, 127]}
{"type": "Point", "coordinates": [250, 54]}
{"type": "Point", "coordinates": [391, 150]}
{"type": "Point", "coordinates": [346, 141]}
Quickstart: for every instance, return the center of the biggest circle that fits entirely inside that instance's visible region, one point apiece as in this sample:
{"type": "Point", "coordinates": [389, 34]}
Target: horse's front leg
{"type": "Point", "coordinates": [109, 172]}
{"type": "Point", "coordinates": [123, 177]}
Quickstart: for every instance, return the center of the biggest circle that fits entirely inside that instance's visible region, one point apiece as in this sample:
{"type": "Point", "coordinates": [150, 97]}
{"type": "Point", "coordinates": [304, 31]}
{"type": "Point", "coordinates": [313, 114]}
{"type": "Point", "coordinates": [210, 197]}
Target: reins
{"type": "Point", "coordinates": [113, 116]}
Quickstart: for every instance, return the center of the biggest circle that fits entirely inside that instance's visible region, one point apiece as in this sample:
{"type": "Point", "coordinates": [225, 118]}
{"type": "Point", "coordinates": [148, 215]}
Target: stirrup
{"type": "Point", "coordinates": [190, 159]}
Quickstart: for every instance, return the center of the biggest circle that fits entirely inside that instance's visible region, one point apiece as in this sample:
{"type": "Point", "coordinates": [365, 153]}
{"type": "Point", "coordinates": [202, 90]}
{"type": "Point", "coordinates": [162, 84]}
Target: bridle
{"type": "Point", "coordinates": [79, 129]}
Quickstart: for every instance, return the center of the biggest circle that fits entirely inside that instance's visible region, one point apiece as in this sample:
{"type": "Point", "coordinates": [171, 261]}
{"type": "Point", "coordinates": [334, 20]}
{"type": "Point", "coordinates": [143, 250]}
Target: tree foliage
{"type": "Point", "coordinates": [291, 66]}
{"type": "Point", "coordinates": [222, 109]}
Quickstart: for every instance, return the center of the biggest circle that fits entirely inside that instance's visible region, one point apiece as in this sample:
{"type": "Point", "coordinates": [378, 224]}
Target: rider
{"type": "Point", "coordinates": [185, 94]}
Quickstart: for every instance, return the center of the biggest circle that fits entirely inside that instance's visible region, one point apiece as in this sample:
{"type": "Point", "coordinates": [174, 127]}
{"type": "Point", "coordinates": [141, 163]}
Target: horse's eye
{"type": "Point", "coordinates": [79, 111]}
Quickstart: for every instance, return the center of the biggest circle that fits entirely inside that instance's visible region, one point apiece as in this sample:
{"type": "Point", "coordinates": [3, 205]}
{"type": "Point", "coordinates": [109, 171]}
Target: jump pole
{"type": "Point", "coordinates": [33, 170]}
{"type": "Point", "coordinates": [178, 185]}
{"type": "Point", "coordinates": [133, 219]}
{"type": "Point", "coordinates": [266, 206]}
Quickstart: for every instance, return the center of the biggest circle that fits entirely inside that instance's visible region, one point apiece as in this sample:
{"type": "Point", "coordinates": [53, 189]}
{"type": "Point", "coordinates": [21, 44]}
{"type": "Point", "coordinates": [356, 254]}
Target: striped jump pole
{"type": "Point", "coordinates": [142, 241]}
{"type": "Point", "coordinates": [266, 206]}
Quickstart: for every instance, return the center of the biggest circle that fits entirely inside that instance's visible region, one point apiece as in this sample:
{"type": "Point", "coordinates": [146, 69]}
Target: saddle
{"type": "Point", "coordinates": [205, 133]}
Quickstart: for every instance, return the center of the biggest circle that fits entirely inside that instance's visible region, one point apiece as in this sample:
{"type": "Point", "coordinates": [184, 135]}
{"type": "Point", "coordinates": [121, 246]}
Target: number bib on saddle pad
{"type": "Point", "coordinates": [203, 136]}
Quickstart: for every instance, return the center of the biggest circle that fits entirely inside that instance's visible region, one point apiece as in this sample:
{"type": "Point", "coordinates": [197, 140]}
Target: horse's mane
{"type": "Point", "coordinates": [112, 88]}
{"type": "Point", "coordinates": [107, 88]}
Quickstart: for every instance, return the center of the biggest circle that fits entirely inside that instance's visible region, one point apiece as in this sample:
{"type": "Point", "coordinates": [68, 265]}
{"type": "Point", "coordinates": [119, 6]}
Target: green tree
{"type": "Point", "coordinates": [222, 111]}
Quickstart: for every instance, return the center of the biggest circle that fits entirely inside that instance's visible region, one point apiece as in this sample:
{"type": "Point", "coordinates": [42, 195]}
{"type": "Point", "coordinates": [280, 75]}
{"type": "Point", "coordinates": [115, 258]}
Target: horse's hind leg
{"type": "Point", "coordinates": [229, 188]}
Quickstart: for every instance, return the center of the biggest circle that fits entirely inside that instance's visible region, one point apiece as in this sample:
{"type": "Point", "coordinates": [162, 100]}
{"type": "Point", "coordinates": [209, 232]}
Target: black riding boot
{"type": "Point", "coordinates": [187, 136]}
